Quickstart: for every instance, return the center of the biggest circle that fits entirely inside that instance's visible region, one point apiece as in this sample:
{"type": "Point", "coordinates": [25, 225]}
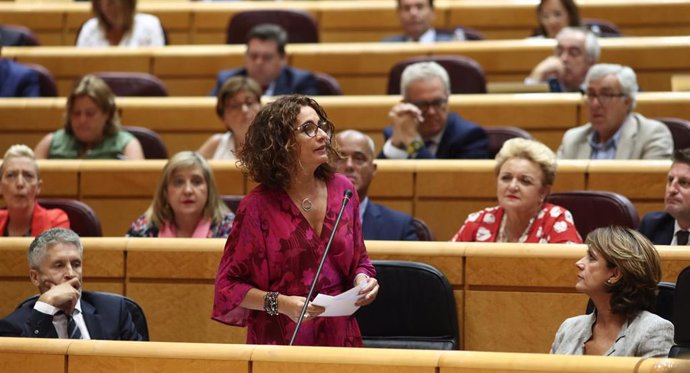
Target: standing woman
{"type": "Point", "coordinates": [116, 23]}
{"type": "Point", "coordinates": [619, 273]}
{"type": "Point", "coordinates": [92, 127]}
{"type": "Point", "coordinates": [20, 185]}
{"type": "Point", "coordinates": [239, 99]}
{"type": "Point", "coordinates": [281, 231]}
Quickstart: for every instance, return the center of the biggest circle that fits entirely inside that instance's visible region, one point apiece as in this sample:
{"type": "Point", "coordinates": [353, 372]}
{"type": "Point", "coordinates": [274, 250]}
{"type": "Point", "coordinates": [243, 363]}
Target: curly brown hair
{"type": "Point", "coordinates": [638, 262]}
{"type": "Point", "coordinates": [270, 153]}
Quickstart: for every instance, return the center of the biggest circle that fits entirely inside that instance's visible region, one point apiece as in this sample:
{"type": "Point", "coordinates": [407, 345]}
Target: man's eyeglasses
{"type": "Point", "coordinates": [603, 98]}
{"type": "Point", "coordinates": [438, 103]}
{"type": "Point", "coordinates": [232, 106]}
{"type": "Point", "coordinates": [310, 128]}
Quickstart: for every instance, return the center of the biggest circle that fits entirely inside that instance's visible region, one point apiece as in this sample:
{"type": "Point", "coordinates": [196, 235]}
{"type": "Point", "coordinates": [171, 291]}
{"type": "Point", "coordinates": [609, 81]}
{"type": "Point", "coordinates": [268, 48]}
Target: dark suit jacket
{"type": "Point", "coordinates": [17, 80]}
{"type": "Point", "coordinates": [289, 81]}
{"type": "Point", "coordinates": [440, 36]}
{"type": "Point", "coordinates": [658, 227]}
{"type": "Point", "coordinates": [382, 223]}
{"type": "Point", "coordinates": [461, 140]}
{"type": "Point", "coordinates": [105, 315]}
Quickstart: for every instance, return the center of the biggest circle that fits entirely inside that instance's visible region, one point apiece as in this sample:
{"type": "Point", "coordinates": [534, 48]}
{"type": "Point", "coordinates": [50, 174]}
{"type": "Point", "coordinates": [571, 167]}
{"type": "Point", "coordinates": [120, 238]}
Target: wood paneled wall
{"type": "Point", "coordinates": [22, 355]}
{"type": "Point", "coordinates": [360, 68]}
{"type": "Point", "coordinates": [353, 21]}
{"type": "Point", "coordinates": [510, 297]}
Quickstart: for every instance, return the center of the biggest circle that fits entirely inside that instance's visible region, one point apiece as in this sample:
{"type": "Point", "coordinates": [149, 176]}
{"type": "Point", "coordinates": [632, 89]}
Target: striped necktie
{"type": "Point", "coordinates": [682, 238]}
{"type": "Point", "coordinates": [73, 331]}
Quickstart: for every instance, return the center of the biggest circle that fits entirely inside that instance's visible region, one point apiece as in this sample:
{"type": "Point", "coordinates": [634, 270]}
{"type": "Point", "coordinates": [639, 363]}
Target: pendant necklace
{"type": "Point", "coordinates": [306, 205]}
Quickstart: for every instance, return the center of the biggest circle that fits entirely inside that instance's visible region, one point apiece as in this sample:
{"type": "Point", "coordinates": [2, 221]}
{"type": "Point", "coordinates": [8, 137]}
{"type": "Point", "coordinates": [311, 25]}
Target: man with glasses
{"type": "Point", "coordinates": [422, 127]}
{"type": "Point", "coordinates": [577, 50]}
{"type": "Point", "coordinates": [266, 62]}
{"type": "Point", "coordinates": [614, 131]}
{"type": "Point", "coordinates": [378, 221]}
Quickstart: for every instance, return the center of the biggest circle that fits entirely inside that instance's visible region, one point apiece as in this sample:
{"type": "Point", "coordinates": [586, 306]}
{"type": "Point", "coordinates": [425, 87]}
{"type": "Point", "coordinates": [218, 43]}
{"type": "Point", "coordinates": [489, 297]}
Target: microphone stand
{"type": "Point", "coordinates": [346, 198]}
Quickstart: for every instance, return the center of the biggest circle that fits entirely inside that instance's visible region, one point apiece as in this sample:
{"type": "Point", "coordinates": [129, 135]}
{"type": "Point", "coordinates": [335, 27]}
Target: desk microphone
{"type": "Point", "coordinates": [346, 198]}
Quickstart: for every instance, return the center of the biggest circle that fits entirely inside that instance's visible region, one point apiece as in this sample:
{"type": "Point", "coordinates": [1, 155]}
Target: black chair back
{"type": "Point", "coordinates": [232, 201]}
{"type": "Point", "coordinates": [17, 36]}
{"type": "Point", "coordinates": [300, 26]}
{"type": "Point", "coordinates": [602, 28]}
{"type": "Point", "coordinates": [414, 309]}
{"type": "Point", "coordinates": [46, 81]}
{"type": "Point", "coordinates": [681, 316]}
{"type": "Point", "coordinates": [423, 231]}
{"type": "Point", "coordinates": [592, 209]}
{"type": "Point", "coordinates": [327, 85]}
{"type": "Point", "coordinates": [466, 75]}
{"type": "Point", "coordinates": [498, 135]}
{"type": "Point", "coordinates": [124, 84]}
{"type": "Point", "coordinates": [680, 131]}
{"type": "Point", "coordinates": [664, 301]}
{"type": "Point", "coordinates": [82, 219]}
{"type": "Point", "coordinates": [151, 142]}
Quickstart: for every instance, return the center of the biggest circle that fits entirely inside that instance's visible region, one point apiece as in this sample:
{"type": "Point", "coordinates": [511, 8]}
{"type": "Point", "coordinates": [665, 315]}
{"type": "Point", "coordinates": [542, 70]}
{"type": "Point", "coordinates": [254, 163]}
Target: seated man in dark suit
{"type": "Point", "coordinates": [417, 19]}
{"type": "Point", "coordinates": [63, 309]}
{"type": "Point", "coordinates": [422, 126]}
{"type": "Point", "coordinates": [266, 62]}
{"type": "Point", "coordinates": [378, 222]}
{"type": "Point", "coordinates": [670, 227]}
{"type": "Point", "coordinates": [17, 80]}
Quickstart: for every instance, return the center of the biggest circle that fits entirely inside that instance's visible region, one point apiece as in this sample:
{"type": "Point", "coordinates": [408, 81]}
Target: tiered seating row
{"type": "Point", "coordinates": [510, 297]}
{"type": "Point", "coordinates": [185, 123]}
{"type": "Point", "coordinates": [437, 192]}
{"type": "Point", "coordinates": [63, 356]}
{"type": "Point", "coordinates": [353, 21]}
{"type": "Point", "coordinates": [360, 68]}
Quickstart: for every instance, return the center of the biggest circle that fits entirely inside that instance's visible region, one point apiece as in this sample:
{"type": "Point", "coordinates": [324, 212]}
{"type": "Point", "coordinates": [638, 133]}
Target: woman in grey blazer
{"type": "Point", "coordinates": [620, 273]}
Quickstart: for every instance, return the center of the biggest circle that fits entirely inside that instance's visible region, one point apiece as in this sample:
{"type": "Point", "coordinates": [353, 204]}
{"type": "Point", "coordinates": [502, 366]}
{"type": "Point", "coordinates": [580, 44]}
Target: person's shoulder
{"type": "Point", "coordinates": [656, 216]}
{"type": "Point", "coordinates": [443, 35]}
{"type": "Point", "coordinates": [389, 212]}
{"type": "Point", "coordinates": [102, 300]}
{"type": "Point", "coordinates": [298, 73]}
{"type": "Point", "coordinates": [226, 74]}
{"type": "Point", "coordinates": [90, 24]}
{"type": "Point", "coordinates": [650, 321]}
{"type": "Point", "coordinates": [583, 130]}
{"type": "Point", "coordinates": [576, 323]}
{"type": "Point", "coordinates": [463, 124]}
{"type": "Point", "coordinates": [651, 126]}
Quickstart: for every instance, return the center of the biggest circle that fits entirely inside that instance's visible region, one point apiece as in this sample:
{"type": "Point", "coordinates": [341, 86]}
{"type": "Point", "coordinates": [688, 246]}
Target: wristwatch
{"type": "Point", "coordinates": [414, 146]}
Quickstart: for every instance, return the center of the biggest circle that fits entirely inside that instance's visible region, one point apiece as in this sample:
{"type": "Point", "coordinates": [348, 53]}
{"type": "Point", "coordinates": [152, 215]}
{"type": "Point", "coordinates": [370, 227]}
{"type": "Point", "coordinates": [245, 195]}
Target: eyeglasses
{"type": "Point", "coordinates": [438, 103]}
{"type": "Point", "coordinates": [310, 128]}
{"type": "Point", "coordinates": [603, 98]}
{"type": "Point", "coordinates": [232, 106]}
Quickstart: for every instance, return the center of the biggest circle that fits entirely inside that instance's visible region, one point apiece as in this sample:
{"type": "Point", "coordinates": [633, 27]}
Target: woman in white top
{"type": "Point", "coordinates": [116, 23]}
{"type": "Point", "coordinates": [239, 99]}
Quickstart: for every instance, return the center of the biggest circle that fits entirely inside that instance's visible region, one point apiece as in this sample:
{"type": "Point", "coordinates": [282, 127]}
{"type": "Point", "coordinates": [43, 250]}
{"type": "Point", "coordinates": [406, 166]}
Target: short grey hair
{"type": "Point", "coordinates": [19, 151]}
{"type": "Point", "coordinates": [48, 239]}
{"type": "Point", "coordinates": [625, 75]}
{"type": "Point", "coordinates": [370, 141]}
{"type": "Point", "coordinates": [423, 71]}
{"type": "Point", "coordinates": [531, 150]}
{"type": "Point", "coordinates": [592, 47]}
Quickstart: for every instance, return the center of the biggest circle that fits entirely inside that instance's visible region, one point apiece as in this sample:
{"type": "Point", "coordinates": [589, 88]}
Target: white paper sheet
{"type": "Point", "coordinates": [340, 305]}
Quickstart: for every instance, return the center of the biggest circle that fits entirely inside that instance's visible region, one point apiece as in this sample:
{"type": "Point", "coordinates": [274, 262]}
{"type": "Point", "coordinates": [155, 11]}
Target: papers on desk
{"type": "Point", "coordinates": [341, 304]}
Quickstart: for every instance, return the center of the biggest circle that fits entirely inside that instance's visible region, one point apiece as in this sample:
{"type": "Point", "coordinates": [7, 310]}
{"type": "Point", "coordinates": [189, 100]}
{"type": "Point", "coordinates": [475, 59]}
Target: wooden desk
{"type": "Point", "coordinates": [191, 70]}
{"type": "Point", "coordinates": [348, 21]}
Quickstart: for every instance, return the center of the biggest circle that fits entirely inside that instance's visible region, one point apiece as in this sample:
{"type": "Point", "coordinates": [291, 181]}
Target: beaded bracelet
{"type": "Point", "coordinates": [271, 303]}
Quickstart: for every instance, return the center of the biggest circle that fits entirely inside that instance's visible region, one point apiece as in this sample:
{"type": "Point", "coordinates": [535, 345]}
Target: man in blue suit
{"type": "Point", "coordinates": [62, 309]}
{"type": "Point", "coordinates": [671, 226]}
{"type": "Point", "coordinates": [266, 62]}
{"type": "Point", "coordinates": [417, 19]}
{"type": "Point", "coordinates": [422, 126]}
{"type": "Point", "coordinates": [378, 222]}
{"type": "Point", "coordinates": [17, 80]}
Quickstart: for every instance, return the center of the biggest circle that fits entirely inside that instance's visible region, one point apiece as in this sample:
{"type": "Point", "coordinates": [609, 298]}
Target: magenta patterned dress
{"type": "Point", "coordinates": [272, 247]}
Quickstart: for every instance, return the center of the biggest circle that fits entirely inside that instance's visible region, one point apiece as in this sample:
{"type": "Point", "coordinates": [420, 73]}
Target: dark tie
{"type": "Point", "coordinates": [73, 331]}
{"type": "Point", "coordinates": [682, 238]}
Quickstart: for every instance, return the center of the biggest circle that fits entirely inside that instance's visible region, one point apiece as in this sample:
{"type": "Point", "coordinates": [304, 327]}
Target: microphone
{"type": "Point", "coordinates": [346, 198]}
